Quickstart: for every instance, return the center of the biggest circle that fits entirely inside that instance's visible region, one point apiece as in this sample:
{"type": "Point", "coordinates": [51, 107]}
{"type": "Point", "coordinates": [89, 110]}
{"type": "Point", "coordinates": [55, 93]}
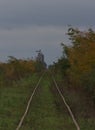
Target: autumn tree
{"type": "Point", "coordinates": [81, 57]}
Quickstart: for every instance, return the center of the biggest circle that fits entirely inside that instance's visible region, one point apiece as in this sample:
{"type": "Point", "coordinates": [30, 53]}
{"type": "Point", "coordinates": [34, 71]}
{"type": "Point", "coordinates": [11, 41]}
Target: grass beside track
{"type": "Point", "coordinates": [81, 105]}
{"type": "Point", "coordinates": [13, 100]}
{"type": "Point", "coordinates": [45, 112]}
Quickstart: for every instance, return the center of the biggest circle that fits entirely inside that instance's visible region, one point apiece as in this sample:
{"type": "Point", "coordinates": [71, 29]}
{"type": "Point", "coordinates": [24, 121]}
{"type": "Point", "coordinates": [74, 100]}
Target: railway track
{"type": "Point", "coordinates": [67, 106]}
{"type": "Point", "coordinates": [28, 105]}
{"type": "Point", "coordinates": [61, 96]}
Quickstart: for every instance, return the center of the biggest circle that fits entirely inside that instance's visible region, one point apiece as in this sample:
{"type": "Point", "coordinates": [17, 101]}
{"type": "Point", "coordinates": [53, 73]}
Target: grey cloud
{"type": "Point", "coordinates": [24, 42]}
{"type": "Point", "coordinates": [22, 13]}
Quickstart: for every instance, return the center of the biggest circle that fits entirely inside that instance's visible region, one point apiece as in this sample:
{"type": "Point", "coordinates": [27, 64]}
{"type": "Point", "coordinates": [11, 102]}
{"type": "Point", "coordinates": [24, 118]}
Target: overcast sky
{"type": "Point", "coordinates": [29, 25]}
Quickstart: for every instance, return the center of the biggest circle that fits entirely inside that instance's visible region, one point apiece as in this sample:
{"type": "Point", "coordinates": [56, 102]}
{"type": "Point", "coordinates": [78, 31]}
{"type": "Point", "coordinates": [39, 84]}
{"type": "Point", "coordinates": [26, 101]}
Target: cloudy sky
{"type": "Point", "coordinates": [29, 25]}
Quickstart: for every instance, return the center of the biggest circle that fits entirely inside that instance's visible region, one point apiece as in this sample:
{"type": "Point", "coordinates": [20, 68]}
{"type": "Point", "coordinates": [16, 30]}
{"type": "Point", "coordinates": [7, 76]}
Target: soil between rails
{"type": "Point", "coordinates": [47, 111]}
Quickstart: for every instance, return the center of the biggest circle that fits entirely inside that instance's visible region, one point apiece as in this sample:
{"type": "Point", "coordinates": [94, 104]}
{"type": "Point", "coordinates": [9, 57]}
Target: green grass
{"type": "Point", "coordinates": [81, 105]}
{"type": "Point", "coordinates": [47, 111]}
{"type": "Point", "coordinates": [44, 114]}
{"type": "Point", "coordinates": [13, 100]}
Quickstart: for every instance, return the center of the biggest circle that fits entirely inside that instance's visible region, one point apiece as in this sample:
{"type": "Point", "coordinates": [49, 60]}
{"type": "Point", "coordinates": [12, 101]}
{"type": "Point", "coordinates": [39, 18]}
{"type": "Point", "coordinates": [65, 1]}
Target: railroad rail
{"type": "Point", "coordinates": [28, 104]}
{"type": "Point", "coordinates": [66, 104]}
{"type": "Point", "coordinates": [61, 95]}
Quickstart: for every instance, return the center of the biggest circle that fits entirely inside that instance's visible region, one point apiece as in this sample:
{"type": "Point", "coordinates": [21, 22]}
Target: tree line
{"type": "Point", "coordinates": [77, 65]}
{"type": "Point", "coordinates": [15, 69]}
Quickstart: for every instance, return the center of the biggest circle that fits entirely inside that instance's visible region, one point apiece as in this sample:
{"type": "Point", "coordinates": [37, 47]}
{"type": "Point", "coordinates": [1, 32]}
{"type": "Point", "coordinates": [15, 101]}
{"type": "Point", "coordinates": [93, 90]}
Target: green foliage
{"type": "Point", "coordinates": [88, 82]}
{"type": "Point", "coordinates": [39, 66]}
{"type": "Point", "coordinates": [78, 61]}
{"type": "Point", "coordinates": [13, 101]}
{"type": "Point", "coordinates": [62, 65]}
{"type": "Point", "coordinates": [16, 69]}
{"type": "Point", "coordinates": [81, 56]}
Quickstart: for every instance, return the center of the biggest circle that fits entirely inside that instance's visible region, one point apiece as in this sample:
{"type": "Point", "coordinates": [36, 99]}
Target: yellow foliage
{"type": "Point", "coordinates": [81, 54]}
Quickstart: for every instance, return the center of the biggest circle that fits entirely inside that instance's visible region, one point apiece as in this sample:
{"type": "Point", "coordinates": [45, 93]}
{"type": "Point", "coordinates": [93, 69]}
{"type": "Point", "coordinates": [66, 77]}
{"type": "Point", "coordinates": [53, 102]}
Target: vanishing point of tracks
{"type": "Point", "coordinates": [61, 95]}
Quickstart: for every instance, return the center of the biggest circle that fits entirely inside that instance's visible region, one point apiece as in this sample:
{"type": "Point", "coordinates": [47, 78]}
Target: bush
{"type": "Point", "coordinates": [88, 84]}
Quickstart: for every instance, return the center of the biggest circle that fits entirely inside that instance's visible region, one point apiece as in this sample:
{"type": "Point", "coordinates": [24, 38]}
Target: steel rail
{"type": "Point", "coordinates": [66, 104]}
{"type": "Point", "coordinates": [28, 104]}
